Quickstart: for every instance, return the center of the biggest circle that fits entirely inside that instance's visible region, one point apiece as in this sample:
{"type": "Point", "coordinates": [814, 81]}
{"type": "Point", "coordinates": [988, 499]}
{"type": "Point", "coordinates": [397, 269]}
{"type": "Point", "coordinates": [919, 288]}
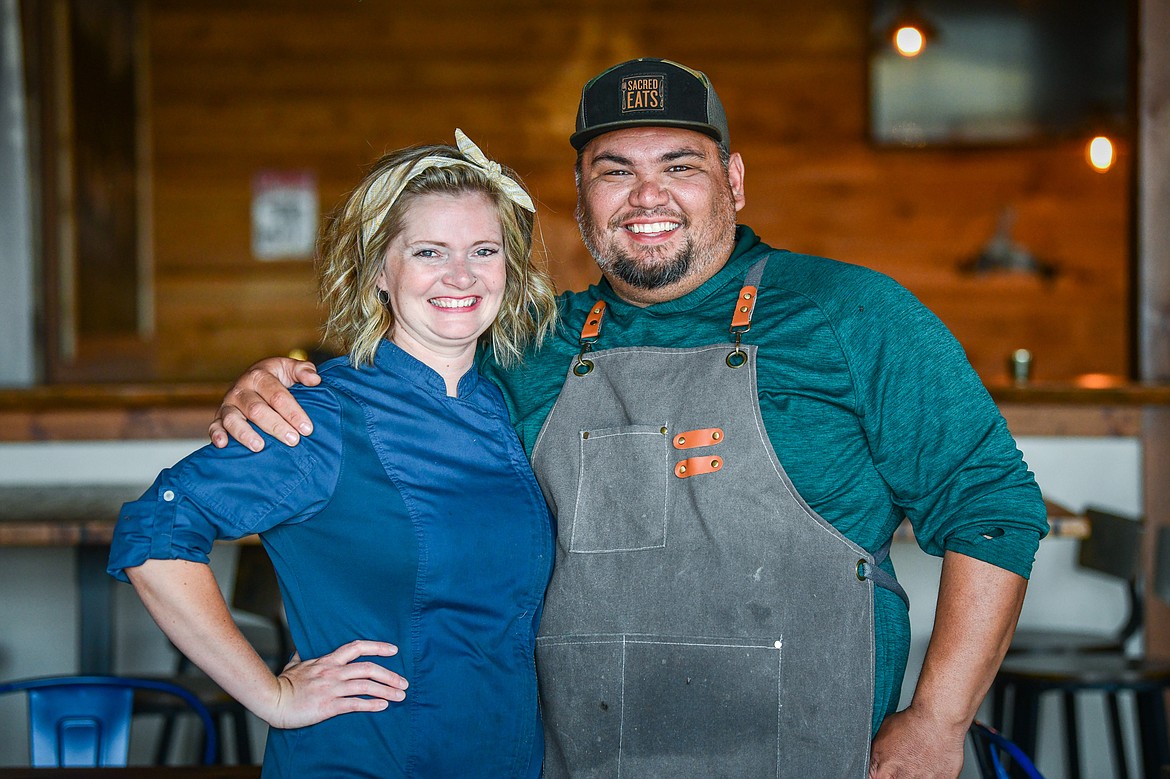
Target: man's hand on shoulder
{"type": "Point", "coordinates": [261, 395]}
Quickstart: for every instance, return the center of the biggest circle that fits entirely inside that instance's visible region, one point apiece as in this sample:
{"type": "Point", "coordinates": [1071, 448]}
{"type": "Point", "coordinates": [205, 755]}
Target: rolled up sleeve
{"type": "Point", "coordinates": [229, 493]}
{"type": "Point", "coordinates": [940, 443]}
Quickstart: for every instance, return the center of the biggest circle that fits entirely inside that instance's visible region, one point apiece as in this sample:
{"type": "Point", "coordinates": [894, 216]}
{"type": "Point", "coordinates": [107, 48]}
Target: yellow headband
{"type": "Point", "coordinates": [390, 185]}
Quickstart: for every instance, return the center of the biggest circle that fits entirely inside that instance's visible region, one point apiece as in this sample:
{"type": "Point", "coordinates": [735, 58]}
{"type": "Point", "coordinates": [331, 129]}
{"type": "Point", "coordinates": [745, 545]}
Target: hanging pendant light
{"type": "Point", "coordinates": [910, 31]}
{"type": "Point", "coordinates": [1100, 153]}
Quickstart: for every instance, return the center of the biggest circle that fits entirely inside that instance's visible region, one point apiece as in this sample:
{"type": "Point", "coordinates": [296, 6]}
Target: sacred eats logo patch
{"type": "Point", "coordinates": [646, 92]}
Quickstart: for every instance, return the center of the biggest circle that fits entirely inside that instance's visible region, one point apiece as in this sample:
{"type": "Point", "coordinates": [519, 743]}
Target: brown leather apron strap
{"type": "Point", "coordinates": [745, 306]}
{"type": "Point", "coordinates": [590, 332]}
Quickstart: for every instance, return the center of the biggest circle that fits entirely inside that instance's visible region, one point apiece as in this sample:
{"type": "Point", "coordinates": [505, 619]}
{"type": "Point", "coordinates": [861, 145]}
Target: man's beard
{"type": "Point", "coordinates": [655, 269]}
{"type": "Point", "coordinates": [613, 261]}
{"type": "Point", "coordinates": [626, 268]}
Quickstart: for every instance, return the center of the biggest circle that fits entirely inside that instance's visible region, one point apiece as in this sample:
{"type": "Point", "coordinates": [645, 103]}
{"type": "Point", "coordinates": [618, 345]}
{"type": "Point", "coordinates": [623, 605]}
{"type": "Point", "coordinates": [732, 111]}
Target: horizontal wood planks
{"type": "Point", "coordinates": [249, 85]}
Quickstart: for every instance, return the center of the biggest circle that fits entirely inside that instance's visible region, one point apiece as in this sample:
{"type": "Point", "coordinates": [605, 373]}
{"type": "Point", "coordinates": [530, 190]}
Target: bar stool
{"type": "Point", "coordinates": [1029, 677]}
{"type": "Point", "coordinates": [1114, 547]}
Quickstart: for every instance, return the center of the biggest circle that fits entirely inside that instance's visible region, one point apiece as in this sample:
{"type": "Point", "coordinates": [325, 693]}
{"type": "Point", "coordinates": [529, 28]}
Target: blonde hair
{"type": "Point", "coordinates": [352, 251]}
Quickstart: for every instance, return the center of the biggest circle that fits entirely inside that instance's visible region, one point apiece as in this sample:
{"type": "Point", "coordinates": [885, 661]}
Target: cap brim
{"type": "Point", "coordinates": [579, 139]}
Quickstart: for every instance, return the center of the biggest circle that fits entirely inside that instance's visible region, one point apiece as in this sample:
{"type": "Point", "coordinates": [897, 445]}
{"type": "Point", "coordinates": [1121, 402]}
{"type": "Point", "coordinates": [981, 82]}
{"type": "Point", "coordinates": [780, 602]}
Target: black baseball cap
{"type": "Point", "coordinates": [649, 92]}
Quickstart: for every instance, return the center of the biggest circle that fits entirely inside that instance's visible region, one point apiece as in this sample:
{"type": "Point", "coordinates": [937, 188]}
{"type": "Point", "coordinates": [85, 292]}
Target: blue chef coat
{"type": "Point", "coordinates": [408, 517]}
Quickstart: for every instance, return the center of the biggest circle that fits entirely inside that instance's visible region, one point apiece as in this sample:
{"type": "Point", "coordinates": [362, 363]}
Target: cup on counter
{"type": "Point", "coordinates": [1020, 364]}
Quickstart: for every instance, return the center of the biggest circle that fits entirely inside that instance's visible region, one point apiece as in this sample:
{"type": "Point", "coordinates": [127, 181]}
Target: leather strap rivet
{"type": "Point", "coordinates": [747, 296]}
{"type": "Point", "coordinates": [682, 439]}
{"type": "Point", "coordinates": [715, 463]}
{"type": "Point", "coordinates": [743, 309]}
{"type": "Point", "coordinates": [596, 310]}
{"type": "Point", "coordinates": [715, 436]}
{"type": "Point", "coordinates": [682, 469]}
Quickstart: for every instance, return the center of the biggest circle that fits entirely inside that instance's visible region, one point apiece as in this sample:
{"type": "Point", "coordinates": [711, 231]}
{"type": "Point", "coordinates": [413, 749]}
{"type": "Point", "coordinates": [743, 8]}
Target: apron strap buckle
{"type": "Point", "coordinates": [737, 357]}
{"type": "Point", "coordinates": [582, 367]}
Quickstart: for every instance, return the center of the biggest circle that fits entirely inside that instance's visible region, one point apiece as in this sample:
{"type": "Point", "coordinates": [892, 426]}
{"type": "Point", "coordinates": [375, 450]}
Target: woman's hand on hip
{"type": "Point", "coordinates": [319, 688]}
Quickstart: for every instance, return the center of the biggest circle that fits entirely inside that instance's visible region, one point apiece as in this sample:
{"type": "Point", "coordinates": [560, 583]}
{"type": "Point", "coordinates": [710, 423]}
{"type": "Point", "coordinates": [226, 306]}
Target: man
{"type": "Point", "coordinates": [728, 435]}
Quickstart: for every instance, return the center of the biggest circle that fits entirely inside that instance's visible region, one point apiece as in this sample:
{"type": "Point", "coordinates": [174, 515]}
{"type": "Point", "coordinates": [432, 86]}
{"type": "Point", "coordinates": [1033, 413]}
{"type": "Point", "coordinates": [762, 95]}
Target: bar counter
{"type": "Point", "coordinates": [130, 411]}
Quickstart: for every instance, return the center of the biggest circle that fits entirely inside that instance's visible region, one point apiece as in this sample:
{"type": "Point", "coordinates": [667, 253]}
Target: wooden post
{"type": "Point", "coordinates": [1152, 290]}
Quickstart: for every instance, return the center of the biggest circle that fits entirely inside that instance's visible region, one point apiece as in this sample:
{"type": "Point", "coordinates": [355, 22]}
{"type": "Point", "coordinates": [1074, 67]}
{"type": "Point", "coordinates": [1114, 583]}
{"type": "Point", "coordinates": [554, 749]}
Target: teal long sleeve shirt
{"type": "Point", "coordinates": [868, 401]}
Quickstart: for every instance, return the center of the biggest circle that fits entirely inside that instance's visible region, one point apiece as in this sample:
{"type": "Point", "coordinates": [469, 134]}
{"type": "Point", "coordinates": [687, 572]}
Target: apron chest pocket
{"type": "Point", "coordinates": [626, 467]}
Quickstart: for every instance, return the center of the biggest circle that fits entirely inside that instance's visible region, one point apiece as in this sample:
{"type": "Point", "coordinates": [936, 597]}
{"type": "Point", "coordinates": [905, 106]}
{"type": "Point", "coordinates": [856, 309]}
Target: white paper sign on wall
{"type": "Point", "coordinates": [284, 214]}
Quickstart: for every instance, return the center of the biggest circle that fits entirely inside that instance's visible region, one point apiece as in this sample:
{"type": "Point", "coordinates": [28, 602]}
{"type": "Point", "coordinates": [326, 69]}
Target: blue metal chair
{"type": "Point", "coordinates": [84, 721]}
{"type": "Point", "coordinates": [990, 747]}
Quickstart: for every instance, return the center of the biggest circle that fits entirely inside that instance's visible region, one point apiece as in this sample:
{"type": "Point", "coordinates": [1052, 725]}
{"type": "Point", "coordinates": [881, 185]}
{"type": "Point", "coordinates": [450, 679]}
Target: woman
{"type": "Point", "coordinates": [411, 540]}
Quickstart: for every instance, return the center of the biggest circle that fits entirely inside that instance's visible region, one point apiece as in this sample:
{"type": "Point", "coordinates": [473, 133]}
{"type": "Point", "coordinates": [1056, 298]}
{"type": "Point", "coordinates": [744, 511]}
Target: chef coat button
{"type": "Point", "coordinates": [169, 495]}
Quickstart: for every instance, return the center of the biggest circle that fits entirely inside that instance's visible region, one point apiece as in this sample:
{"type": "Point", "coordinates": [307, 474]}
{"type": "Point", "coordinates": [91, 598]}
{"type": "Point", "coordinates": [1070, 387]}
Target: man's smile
{"type": "Point", "coordinates": [652, 228]}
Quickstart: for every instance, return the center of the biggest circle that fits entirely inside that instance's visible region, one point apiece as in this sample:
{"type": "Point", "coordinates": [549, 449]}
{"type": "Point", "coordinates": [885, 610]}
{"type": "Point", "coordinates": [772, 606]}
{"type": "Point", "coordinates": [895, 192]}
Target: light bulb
{"type": "Point", "coordinates": [909, 41]}
{"type": "Point", "coordinates": [1100, 153]}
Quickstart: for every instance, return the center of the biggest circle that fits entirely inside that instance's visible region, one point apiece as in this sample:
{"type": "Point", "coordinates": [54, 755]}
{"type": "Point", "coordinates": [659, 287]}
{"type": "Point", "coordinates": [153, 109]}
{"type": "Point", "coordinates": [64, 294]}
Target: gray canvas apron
{"type": "Point", "coordinates": [702, 620]}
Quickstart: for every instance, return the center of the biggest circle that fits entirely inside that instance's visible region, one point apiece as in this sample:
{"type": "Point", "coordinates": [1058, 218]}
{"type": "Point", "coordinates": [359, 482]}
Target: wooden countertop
{"type": "Point", "coordinates": [111, 396]}
{"type": "Point", "coordinates": [65, 514]}
{"type": "Point", "coordinates": [85, 515]}
{"type": "Point", "coordinates": [62, 515]}
{"type": "Point", "coordinates": [154, 411]}
{"type": "Point", "coordinates": [1065, 393]}
{"type": "Point", "coordinates": [207, 395]}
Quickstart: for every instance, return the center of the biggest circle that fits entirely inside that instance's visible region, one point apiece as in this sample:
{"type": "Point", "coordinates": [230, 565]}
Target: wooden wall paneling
{"type": "Point", "coordinates": [243, 86]}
